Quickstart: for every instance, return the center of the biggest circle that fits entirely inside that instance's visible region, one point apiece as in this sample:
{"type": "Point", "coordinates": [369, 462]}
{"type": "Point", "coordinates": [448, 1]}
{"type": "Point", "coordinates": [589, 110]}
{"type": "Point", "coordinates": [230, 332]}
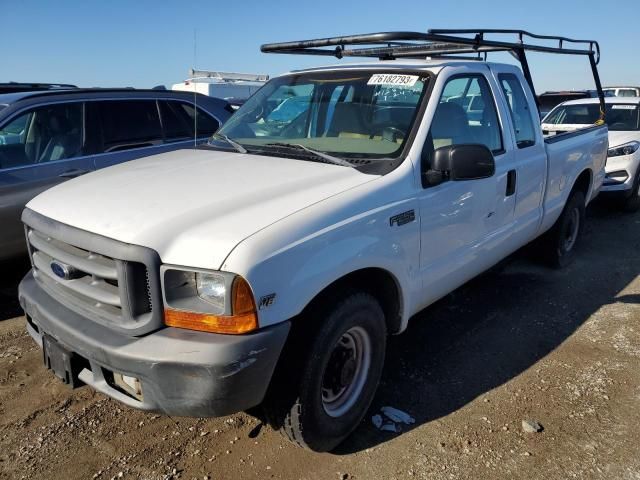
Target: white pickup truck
{"type": "Point", "coordinates": [269, 267]}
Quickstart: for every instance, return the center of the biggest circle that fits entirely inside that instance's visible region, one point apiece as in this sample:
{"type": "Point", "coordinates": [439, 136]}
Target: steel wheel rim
{"type": "Point", "coordinates": [572, 230]}
{"type": "Point", "coordinates": [346, 372]}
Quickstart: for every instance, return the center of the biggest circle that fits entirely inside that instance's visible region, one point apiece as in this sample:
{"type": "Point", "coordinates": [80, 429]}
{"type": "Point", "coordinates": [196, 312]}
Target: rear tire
{"type": "Point", "coordinates": [320, 404]}
{"type": "Point", "coordinates": [559, 244]}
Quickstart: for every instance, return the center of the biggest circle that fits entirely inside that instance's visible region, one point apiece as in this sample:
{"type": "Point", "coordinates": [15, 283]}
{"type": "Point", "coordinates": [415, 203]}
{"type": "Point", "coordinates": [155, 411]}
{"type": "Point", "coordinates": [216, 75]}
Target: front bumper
{"type": "Point", "coordinates": [182, 372]}
{"type": "Point", "coordinates": [628, 164]}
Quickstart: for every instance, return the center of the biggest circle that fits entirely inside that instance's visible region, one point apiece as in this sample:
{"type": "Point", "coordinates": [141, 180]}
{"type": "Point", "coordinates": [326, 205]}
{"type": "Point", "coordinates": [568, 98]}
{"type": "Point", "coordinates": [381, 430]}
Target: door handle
{"type": "Point", "coordinates": [511, 183]}
{"type": "Point", "coordinates": [76, 172]}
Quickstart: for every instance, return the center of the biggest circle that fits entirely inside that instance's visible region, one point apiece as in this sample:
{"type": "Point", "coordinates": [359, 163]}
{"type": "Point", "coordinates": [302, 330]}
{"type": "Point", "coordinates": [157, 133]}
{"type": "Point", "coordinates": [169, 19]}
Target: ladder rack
{"type": "Point", "coordinates": [447, 43]}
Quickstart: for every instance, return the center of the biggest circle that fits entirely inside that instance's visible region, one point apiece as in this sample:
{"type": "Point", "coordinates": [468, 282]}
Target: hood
{"type": "Point", "coordinates": [618, 138]}
{"type": "Point", "coordinates": [193, 206]}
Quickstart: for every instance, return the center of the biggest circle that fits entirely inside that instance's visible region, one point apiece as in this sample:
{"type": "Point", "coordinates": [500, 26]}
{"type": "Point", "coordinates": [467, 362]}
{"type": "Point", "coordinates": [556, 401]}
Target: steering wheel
{"type": "Point", "coordinates": [389, 133]}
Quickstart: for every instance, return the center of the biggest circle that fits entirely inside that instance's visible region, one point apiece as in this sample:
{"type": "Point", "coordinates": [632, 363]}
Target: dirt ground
{"type": "Point", "coordinates": [519, 343]}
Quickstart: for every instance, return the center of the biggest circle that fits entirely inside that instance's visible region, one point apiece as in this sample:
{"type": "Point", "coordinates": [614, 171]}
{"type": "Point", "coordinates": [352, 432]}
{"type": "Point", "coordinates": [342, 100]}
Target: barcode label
{"type": "Point", "coordinates": [393, 79]}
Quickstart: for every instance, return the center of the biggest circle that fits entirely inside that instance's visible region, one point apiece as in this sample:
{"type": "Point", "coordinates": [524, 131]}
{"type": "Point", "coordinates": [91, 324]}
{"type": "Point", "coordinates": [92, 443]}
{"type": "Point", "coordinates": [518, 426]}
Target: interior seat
{"type": "Point", "coordinates": [349, 121]}
{"type": "Point", "coordinates": [64, 141]}
{"type": "Point", "coordinates": [450, 126]}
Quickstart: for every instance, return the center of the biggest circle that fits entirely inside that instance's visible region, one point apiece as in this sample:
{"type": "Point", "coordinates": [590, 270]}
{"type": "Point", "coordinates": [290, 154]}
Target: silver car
{"type": "Point", "coordinates": [47, 137]}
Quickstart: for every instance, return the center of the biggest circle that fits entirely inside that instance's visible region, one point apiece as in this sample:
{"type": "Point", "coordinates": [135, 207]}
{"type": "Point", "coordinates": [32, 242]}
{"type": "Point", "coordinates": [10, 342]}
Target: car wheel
{"type": "Point", "coordinates": [338, 377]}
{"type": "Point", "coordinates": [560, 242]}
{"type": "Point", "coordinates": [632, 202]}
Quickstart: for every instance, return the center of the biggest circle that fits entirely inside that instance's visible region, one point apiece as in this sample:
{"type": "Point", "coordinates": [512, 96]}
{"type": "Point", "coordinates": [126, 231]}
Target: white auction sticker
{"type": "Point", "coordinates": [393, 80]}
{"type": "Point", "coordinates": [623, 107]}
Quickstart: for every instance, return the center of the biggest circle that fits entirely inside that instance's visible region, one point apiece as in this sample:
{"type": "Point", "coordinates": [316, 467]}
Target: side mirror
{"type": "Point", "coordinates": [460, 162]}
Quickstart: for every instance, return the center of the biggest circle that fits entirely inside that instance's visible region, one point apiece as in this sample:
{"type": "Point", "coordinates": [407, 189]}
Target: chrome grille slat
{"type": "Point", "coordinates": [91, 287]}
{"type": "Point", "coordinates": [83, 260]}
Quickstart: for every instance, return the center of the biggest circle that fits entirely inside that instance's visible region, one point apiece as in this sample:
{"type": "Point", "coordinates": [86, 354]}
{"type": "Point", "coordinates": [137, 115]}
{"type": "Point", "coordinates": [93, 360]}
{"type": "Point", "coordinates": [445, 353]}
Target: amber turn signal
{"type": "Point", "coordinates": [244, 317]}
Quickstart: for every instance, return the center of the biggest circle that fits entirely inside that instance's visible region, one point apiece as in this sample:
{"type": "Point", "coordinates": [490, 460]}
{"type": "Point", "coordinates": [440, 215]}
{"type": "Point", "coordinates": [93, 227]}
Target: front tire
{"type": "Point", "coordinates": [632, 202]}
{"type": "Point", "coordinates": [559, 243]}
{"type": "Point", "coordinates": [338, 378]}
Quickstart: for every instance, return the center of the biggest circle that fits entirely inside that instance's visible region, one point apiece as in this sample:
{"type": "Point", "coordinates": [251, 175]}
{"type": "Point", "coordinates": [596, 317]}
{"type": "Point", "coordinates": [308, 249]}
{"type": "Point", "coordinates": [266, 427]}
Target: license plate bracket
{"type": "Point", "coordinates": [61, 361]}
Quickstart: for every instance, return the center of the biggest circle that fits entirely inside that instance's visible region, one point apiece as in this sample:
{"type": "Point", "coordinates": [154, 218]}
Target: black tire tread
{"type": "Point", "coordinates": [549, 241]}
{"type": "Point", "coordinates": [286, 415]}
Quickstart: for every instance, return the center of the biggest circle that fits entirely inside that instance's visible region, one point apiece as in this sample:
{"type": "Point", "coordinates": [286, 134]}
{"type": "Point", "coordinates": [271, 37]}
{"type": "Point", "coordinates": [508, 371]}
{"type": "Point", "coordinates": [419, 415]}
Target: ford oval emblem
{"type": "Point", "coordinates": [61, 270]}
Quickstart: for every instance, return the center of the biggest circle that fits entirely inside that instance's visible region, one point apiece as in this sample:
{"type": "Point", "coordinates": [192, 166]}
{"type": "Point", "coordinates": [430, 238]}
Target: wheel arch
{"type": "Point", "coordinates": [378, 282]}
{"type": "Point", "coordinates": [583, 183]}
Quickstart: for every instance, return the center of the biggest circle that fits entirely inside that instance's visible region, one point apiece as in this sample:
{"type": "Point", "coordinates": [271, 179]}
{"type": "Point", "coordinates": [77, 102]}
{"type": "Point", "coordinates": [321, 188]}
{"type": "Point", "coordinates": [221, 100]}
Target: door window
{"type": "Point", "coordinates": [128, 124]}
{"type": "Point", "coordinates": [519, 108]}
{"type": "Point", "coordinates": [466, 114]}
{"type": "Point", "coordinates": [44, 134]}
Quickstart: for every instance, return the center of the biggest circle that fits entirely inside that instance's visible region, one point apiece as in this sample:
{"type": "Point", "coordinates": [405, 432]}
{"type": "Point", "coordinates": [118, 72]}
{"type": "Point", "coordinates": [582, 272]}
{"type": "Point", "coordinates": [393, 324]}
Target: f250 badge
{"type": "Point", "coordinates": [402, 218]}
{"type": "Point", "coordinates": [266, 301]}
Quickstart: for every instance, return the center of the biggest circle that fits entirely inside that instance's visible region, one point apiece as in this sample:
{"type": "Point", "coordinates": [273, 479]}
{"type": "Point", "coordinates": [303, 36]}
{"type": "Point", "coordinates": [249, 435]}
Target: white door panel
{"type": "Point", "coordinates": [466, 225]}
{"type": "Point", "coordinates": [529, 158]}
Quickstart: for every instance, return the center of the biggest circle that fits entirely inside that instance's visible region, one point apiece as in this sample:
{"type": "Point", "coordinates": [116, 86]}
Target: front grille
{"type": "Point", "coordinates": [83, 272]}
{"type": "Point", "coordinates": [95, 282]}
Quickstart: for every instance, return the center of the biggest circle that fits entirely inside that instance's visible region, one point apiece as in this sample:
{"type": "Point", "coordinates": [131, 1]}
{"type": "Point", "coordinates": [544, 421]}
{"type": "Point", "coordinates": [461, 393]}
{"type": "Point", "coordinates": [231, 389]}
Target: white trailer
{"type": "Point", "coordinates": [234, 87]}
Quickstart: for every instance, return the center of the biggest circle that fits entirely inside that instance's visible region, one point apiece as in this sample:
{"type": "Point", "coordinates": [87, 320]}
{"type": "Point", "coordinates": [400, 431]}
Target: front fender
{"type": "Point", "coordinates": [298, 257]}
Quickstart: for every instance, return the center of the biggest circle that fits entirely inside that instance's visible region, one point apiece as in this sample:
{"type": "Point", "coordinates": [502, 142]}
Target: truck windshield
{"type": "Point", "coordinates": [619, 117]}
{"type": "Point", "coordinates": [350, 114]}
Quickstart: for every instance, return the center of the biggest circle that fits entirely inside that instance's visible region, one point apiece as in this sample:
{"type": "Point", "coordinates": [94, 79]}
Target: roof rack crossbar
{"type": "Point", "coordinates": [442, 42]}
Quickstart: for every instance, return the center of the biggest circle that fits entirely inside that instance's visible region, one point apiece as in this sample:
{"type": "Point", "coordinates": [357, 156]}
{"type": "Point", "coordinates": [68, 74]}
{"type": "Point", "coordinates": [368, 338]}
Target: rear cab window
{"type": "Point", "coordinates": [521, 116]}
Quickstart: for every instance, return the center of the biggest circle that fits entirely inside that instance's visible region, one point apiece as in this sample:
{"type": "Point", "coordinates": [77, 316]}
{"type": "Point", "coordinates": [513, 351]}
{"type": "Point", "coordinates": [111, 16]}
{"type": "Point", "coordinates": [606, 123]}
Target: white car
{"type": "Point", "coordinates": [269, 269]}
{"type": "Point", "coordinates": [623, 158]}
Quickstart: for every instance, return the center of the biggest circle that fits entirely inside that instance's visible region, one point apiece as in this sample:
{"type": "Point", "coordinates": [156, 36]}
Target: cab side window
{"type": "Point", "coordinates": [519, 109]}
{"type": "Point", "coordinates": [44, 134]}
{"type": "Point", "coordinates": [466, 114]}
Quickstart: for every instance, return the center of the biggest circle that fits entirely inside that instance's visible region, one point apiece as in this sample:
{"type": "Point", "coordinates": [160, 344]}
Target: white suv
{"type": "Point", "coordinates": [622, 182]}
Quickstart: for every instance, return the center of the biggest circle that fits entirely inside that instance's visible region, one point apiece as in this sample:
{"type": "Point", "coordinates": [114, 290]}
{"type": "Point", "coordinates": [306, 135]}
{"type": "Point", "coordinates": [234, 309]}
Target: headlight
{"type": "Point", "coordinates": [219, 302]}
{"type": "Point", "coordinates": [624, 149]}
{"type": "Point", "coordinates": [212, 288]}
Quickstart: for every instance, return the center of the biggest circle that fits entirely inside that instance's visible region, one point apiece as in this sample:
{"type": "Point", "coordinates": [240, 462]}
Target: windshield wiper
{"type": "Point", "coordinates": [323, 155]}
{"type": "Point", "coordinates": [239, 148]}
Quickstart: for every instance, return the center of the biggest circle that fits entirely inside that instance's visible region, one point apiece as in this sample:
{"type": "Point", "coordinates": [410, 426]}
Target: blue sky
{"type": "Point", "coordinates": [145, 43]}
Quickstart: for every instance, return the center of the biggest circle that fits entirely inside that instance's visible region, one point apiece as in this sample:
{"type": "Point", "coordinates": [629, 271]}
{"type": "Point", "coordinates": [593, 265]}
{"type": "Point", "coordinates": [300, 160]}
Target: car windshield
{"type": "Point", "coordinates": [619, 117]}
{"type": "Point", "coordinates": [348, 114]}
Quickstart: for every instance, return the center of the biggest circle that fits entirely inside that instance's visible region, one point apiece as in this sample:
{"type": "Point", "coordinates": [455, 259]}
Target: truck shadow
{"type": "Point", "coordinates": [11, 272]}
{"type": "Point", "coordinates": [500, 324]}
